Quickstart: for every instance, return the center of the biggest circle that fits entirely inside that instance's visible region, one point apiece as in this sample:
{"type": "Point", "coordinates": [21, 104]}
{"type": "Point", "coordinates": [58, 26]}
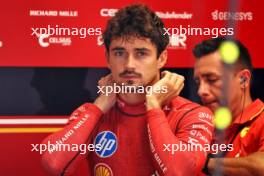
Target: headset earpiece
{"type": "Point", "coordinates": [243, 79]}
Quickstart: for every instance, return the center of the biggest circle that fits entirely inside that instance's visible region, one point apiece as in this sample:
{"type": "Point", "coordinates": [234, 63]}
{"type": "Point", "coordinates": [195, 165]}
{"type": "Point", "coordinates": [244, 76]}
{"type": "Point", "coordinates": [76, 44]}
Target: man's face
{"type": "Point", "coordinates": [208, 75]}
{"type": "Point", "coordinates": [134, 61]}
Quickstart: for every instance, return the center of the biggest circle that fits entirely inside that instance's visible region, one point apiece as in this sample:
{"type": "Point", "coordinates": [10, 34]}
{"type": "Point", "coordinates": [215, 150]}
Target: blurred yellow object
{"type": "Point", "coordinates": [229, 52]}
{"type": "Point", "coordinates": [223, 118]}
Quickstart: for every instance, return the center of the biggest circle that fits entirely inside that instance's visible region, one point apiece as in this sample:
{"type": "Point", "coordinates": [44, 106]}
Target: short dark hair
{"type": "Point", "coordinates": [211, 45]}
{"type": "Point", "coordinates": [136, 20]}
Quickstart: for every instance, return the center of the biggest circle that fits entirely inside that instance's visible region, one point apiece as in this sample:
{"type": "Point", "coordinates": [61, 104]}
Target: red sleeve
{"type": "Point", "coordinates": [64, 160]}
{"type": "Point", "coordinates": [261, 134]}
{"type": "Point", "coordinates": [194, 128]}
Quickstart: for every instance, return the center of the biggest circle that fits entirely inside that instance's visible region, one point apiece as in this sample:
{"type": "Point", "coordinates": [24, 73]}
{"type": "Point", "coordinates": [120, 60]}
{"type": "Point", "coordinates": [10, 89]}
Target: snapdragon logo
{"type": "Point", "coordinates": [108, 142]}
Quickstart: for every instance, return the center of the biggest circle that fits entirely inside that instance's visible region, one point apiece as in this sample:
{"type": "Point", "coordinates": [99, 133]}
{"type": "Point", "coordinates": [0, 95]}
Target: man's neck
{"type": "Point", "coordinates": [133, 98]}
{"type": "Point", "coordinates": [244, 104]}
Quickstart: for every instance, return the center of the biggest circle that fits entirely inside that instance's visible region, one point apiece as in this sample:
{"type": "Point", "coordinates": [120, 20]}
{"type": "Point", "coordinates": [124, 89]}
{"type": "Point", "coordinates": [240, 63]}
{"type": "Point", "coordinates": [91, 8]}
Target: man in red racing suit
{"type": "Point", "coordinates": [136, 133]}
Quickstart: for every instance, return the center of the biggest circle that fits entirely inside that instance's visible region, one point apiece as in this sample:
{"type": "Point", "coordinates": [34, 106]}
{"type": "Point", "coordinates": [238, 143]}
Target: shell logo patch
{"type": "Point", "coordinates": [244, 132]}
{"type": "Point", "coordinates": [102, 169]}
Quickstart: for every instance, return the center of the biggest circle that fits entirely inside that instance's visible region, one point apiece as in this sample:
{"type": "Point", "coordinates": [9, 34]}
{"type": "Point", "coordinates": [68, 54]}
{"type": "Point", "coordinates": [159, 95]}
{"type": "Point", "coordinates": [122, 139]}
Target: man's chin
{"type": "Point", "coordinates": [213, 106]}
{"type": "Point", "coordinates": [135, 83]}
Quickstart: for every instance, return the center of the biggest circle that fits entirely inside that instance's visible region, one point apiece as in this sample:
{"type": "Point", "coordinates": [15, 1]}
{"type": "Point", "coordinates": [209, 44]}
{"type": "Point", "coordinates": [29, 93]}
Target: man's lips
{"type": "Point", "coordinates": [129, 76]}
{"type": "Point", "coordinates": [208, 103]}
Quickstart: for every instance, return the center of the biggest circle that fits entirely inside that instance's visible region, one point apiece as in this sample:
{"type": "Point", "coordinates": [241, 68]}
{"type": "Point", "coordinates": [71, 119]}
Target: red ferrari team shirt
{"type": "Point", "coordinates": [133, 141]}
{"type": "Point", "coordinates": [247, 132]}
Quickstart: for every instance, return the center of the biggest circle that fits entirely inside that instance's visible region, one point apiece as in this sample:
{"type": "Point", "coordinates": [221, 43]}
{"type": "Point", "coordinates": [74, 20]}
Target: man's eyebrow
{"type": "Point", "coordinates": [117, 48]}
{"type": "Point", "coordinates": [142, 49]}
{"type": "Point", "coordinates": [207, 74]}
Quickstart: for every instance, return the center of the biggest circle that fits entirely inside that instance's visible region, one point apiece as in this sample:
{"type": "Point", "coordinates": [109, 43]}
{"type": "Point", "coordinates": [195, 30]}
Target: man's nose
{"type": "Point", "coordinates": [131, 62]}
{"type": "Point", "coordinates": [203, 89]}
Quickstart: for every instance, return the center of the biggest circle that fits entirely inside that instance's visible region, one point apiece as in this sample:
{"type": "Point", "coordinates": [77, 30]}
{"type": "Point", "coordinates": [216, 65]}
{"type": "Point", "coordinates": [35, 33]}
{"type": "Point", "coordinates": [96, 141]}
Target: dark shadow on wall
{"type": "Point", "coordinates": [60, 90]}
{"type": "Point", "coordinates": [257, 87]}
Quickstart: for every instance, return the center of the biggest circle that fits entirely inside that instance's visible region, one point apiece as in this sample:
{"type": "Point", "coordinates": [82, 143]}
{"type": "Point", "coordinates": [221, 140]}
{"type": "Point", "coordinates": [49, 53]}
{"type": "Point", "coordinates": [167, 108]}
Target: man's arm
{"type": "Point", "coordinates": [79, 132]}
{"type": "Point", "coordinates": [251, 165]}
{"type": "Point", "coordinates": [59, 161]}
{"type": "Point", "coordinates": [163, 141]}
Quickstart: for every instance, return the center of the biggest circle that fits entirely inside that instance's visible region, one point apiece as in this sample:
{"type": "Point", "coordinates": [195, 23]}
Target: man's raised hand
{"type": "Point", "coordinates": [105, 100]}
{"type": "Point", "coordinates": [174, 83]}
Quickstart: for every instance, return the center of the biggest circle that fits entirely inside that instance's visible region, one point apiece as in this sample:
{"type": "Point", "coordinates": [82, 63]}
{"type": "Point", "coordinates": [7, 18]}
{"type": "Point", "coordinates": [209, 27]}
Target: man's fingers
{"type": "Point", "coordinates": [179, 81]}
{"type": "Point", "coordinates": [180, 89]}
{"type": "Point", "coordinates": [165, 74]}
{"type": "Point", "coordinates": [174, 78]}
{"type": "Point", "coordinates": [173, 93]}
{"type": "Point", "coordinates": [174, 81]}
{"type": "Point", "coordinates": [106, 80]}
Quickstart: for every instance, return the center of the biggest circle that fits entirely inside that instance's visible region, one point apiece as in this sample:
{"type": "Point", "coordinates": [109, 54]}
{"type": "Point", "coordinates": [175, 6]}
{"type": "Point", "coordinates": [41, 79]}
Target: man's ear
{"type": "Point", "coordinates": [245, 77]}
{"type": "Point", "coordinates": [162, 59]}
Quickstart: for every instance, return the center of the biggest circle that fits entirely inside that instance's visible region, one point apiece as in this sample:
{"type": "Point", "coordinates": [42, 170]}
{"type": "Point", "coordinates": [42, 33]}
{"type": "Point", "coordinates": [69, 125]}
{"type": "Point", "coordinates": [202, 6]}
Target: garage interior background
{"type": "Point", "coordinates": [47, 77]}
